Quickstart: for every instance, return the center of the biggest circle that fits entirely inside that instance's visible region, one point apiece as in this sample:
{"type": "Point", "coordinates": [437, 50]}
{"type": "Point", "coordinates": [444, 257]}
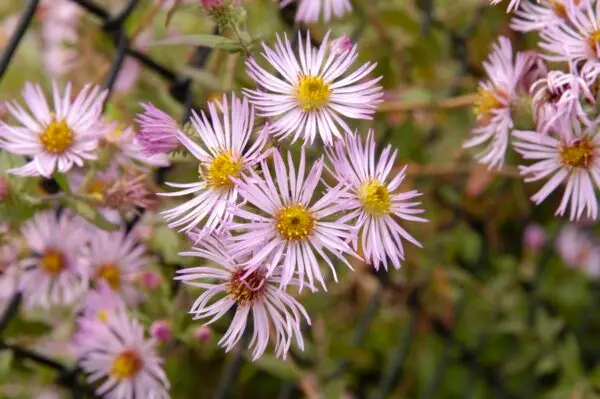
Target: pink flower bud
{"type": "Point", "coordinates": [161, 331]}
{"type": "Point", "coordinates": [341, 45]}
{"type": "Point", "coordinates": [534, 237]}
{"type": "Point", "coordinates": [150, 280]}
{"type": "Point", "coordinates": [211, 3]}
{"type": "Point", "coordinates": [203, 334]}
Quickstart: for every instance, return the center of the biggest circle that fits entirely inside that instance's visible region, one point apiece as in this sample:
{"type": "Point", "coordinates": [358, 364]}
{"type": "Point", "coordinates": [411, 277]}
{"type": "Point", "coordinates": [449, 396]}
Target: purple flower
{"type": "Point", "coordinates": [573, 157]}
{"type": "Point", "coordinates": [158, 131]}
{"type": "Point", "coordinates": [493, 105]}
{"type": "Point", "coordinates": [56, 139]}
{"type": "Point", "coordinates": [579, 249]}
{"type": "Point", "coordinates": [373, 199]}
{"type": "Point", "coordinates": [543, 14]}
{"type": "Point", "coordinates": [224, 152]}
{"type": "Point", "coordinates": [310, 96]}
{"type": "Point", "coordinates": [286, 225]}
{"type": "Point", "coordinates": [252, 292]}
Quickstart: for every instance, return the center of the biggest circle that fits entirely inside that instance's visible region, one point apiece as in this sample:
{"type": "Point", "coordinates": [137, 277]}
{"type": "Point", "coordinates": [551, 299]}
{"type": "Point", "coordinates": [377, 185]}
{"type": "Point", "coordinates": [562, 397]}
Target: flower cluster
{"type": "Point", "coordinates": [270, 219]}
{"type": "Point", "coordinates": [562, 142]}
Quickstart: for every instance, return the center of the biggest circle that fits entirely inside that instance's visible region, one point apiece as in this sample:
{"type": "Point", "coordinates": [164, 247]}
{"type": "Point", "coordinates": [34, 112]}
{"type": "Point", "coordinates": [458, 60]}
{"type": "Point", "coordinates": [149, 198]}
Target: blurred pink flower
{"type": "Point", "coordinates": [373, 200]}
{"type": "Point", "coordinates": [117, 352]}
{"type": "Point", "coordinates": [150, 280]}
{"type": "Point", "coordinates": [60, 22]}
{"type": "Point", "coordinates": [311, 10]}
{"type": "Point", "coordinates": [131, 68]}
{"type": "Point", "coordinates": [579, 250]}
{"type": "Point", "coordinates": [203, 334]}
{"type": "Point", "coordinates": [534, 237]}
{"type": "Point", "coordinates": [493, 106]}
{"type": "Point", "coordinates": [57, 274]}
{"type": "Point", "coordinates": [161, 330]}
{"type": "Point", "coordinates": [158, 130]}
{"type": "Point", "coordinates": [341, 45]}
{"type": "Point", "coordinates": [252, 292]}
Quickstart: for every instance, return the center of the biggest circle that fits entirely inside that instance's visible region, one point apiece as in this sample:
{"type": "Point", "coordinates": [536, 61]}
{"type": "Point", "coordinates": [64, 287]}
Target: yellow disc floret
{"type": "Point", "coordinates": [126, 365]}
{"type": "Point", "coordinates": [52, 261]}
{"type": "Point", "coordinates": [579, 154]}
{"type": "Point", "coordinates": [294, 222]}
{"type": "Point", "coordinates": [219, 172]}
{"type": "Point", "coordinates": [111, 274]}
{"type": "Point", "coordinates": [57, 138]}
{"type": "Point", "coordinates": [375, 198]}
{"type": "Point", "coordinates": [312, 93]}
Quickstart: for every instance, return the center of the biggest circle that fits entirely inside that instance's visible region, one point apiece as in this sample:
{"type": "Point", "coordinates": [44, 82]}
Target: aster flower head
{"type": "Point", "coordinates": [224, 152]}
{"type": "Point", "coordinates": [55, 139]}
{"type": "Point", "coordinates": [116, 258]}
{"type": "Point", "coordinates": [100, 302]}
{"type": "Point", "coordinates": [56, 274]}
{"type": "Point", "coordinates": [288, 226]}
{"type": "Point", "coordinates": [539, 15]}
{"type": "Point", "coordinates": [373, 199]}
{"type": "Point", "coordinates": [158, 130]}
{"type": "Point", "coordinates": [310, 95]}
{"type": "Point", "coordinates": [493, 105]}
{"type": "Point", "coordinates": [579, 249]}
{"type": "Point", "coordinates": [572, 157]}
{"type": "Point", "coordinates": [310, 11]}
{"type": "Point", "coordinates": [577, 39]}
{"type": "Point", "coordinates": [252, 293]}
{"type": "Point", "coordinates": [557, 97]}
{"type": "Point", "coordinates": [130, 151]}
{"type": "Point", "coordinates": [117, 353]}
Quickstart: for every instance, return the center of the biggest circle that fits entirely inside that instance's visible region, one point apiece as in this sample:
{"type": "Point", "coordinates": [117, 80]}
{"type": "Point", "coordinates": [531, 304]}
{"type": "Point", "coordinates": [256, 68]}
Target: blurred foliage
{"type": "Point", "coordinates": [474, 314]}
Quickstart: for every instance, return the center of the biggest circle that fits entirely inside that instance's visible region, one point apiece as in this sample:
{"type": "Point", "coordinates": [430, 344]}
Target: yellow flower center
{"type": "Point", "coordinates": [219, 172]}
{"type": "Point", "coordinates": [53, 262]}
{"type": "Point", "coordinates": [294, 222]}
{"type": "Point", "coordinates": [312, 93]}
{"type": "Point", "coordinates": [559, 8]}
{"type": "Point", "coordinates": [111, 274]}
{"type": "Point", "coordinates": [57, 138]}
{"type": "Point", "coordinates": [580, 154]}
{"type": "Point", "coordinates": [102, 315]}
{"type": "Point", "coordinates": [375, 198]}
{"type": "Point", "coordinates": [486, 102]}
{"type": "Point", "coordinates": [96, 189]}
{"type": "Point", "coordinates": [593, 40]}
{"type": "Point", "coordinates": [126, 365]}
{"type": "Point", "coordinates": [246, 291]}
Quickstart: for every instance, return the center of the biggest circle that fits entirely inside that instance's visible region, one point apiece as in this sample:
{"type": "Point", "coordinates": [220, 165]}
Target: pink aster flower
{"type": "Point", "coordinates": [573, 157]}
{"type": "Point", "coordinates": [576, 40]}
{"type": "Point", "coordinates": [288, 226]}
{"type": "Point", "coordinates": [60, 22]}
{"type": "Point", "coordinates": [116, 258]}
{"type": "Point", "coordinates": [224, 151]}
{"type": "Point", "coordinates": [130, 150]}
{"type": "Point", "coordinates": [56, 274]}
{"type": "Point", "coordinates": [252, 293]}
{"type": "Point", "coordinates": [512, 5]}
{"type": "Point", "coordinates": [311, 10]}
{"type": "Point", "coordinates": [9, 271]}
{"type": "Point", "coordinates": [558, 96]}
{"type": "Point", "coordinates": [100, 302]}
{"type": "Point", "coordinates": [373, 199]}
{"type": "Point", "coordinates": [493, 105]}
{"type": "Point", "coordinates": [310, 95]}
{"type": "Point", "coordinates": [579, 249]}
{"type": "Point", "coordinates": [55, 139]}
{"type": "Point", "coordinates": [158, 130]}
{"type": "Point", "coordinates": [540, 15]}
{"type": "Point", "coordinates": [117, 353]}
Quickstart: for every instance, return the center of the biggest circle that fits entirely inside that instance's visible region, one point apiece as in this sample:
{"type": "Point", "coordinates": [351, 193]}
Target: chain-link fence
{"type": "Point", "coordinates": [455, 349]}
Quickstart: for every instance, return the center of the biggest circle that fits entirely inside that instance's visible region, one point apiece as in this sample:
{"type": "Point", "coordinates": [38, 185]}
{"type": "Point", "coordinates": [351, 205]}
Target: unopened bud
{"type": "Point", "coordinates": [150, 280]}
{"type": "Point", "coordinates": [341, 45]}
{"type": "Point", "coordinates": [161, 331]}
{"type": "Point", "coordinates": [203, 334]}
{"type": "Point", "coordinates": [534, 237]}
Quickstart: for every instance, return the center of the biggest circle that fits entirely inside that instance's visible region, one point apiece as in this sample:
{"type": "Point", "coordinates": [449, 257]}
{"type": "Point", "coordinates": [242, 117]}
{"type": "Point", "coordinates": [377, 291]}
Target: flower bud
{"type": "Point", "coordinates": [150, 280]}
{"type": "Point", "coordinates": [161, 331]}
{"type": "Point", "coordinates": [534, 237]}
{"type": "Point", "coordinates": [203, 334]}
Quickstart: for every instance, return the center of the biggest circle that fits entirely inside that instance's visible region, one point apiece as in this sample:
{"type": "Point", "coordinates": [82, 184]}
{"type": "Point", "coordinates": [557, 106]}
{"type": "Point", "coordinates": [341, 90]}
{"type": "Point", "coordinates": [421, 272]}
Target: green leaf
{"type": "Point", "coordinates": [62, 181]}
{"type": "Point", "coordinates": [20, 328]}
{"type": "Point", "coordinates": [286, 370]}
{"type": "Point", "coordinates": [91, 214]}
{"type": "Point", "coordinates": [204, 78]}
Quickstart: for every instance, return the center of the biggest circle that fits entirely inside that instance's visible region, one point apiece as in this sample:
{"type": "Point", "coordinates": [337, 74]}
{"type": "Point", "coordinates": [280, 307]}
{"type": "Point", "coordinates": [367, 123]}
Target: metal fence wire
{"type": "Point", "coordinates": [180, 89]}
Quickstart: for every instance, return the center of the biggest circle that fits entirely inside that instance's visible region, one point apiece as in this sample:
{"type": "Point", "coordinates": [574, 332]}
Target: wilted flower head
{"type": "Point", "coordinates": [493, 105]}
{"type": "Point", "coordinates": [55, 139]}
{"type": "Point", "coordinates": [129, 193]}
{"type": "Point", "coordinates": [253, 293]}
{"type": "Point", "coordinates": [56, 274]}
{"type": "Point", "coordinates": [310, 95]}
{"type": "Point", "coordinates": [158, 130]}
{"type": "Point", "coordinates": [116, 352]}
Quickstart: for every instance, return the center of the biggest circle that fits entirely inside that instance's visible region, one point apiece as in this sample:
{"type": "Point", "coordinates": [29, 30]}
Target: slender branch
{"type": "Point", "coordinates": [461, 101]}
